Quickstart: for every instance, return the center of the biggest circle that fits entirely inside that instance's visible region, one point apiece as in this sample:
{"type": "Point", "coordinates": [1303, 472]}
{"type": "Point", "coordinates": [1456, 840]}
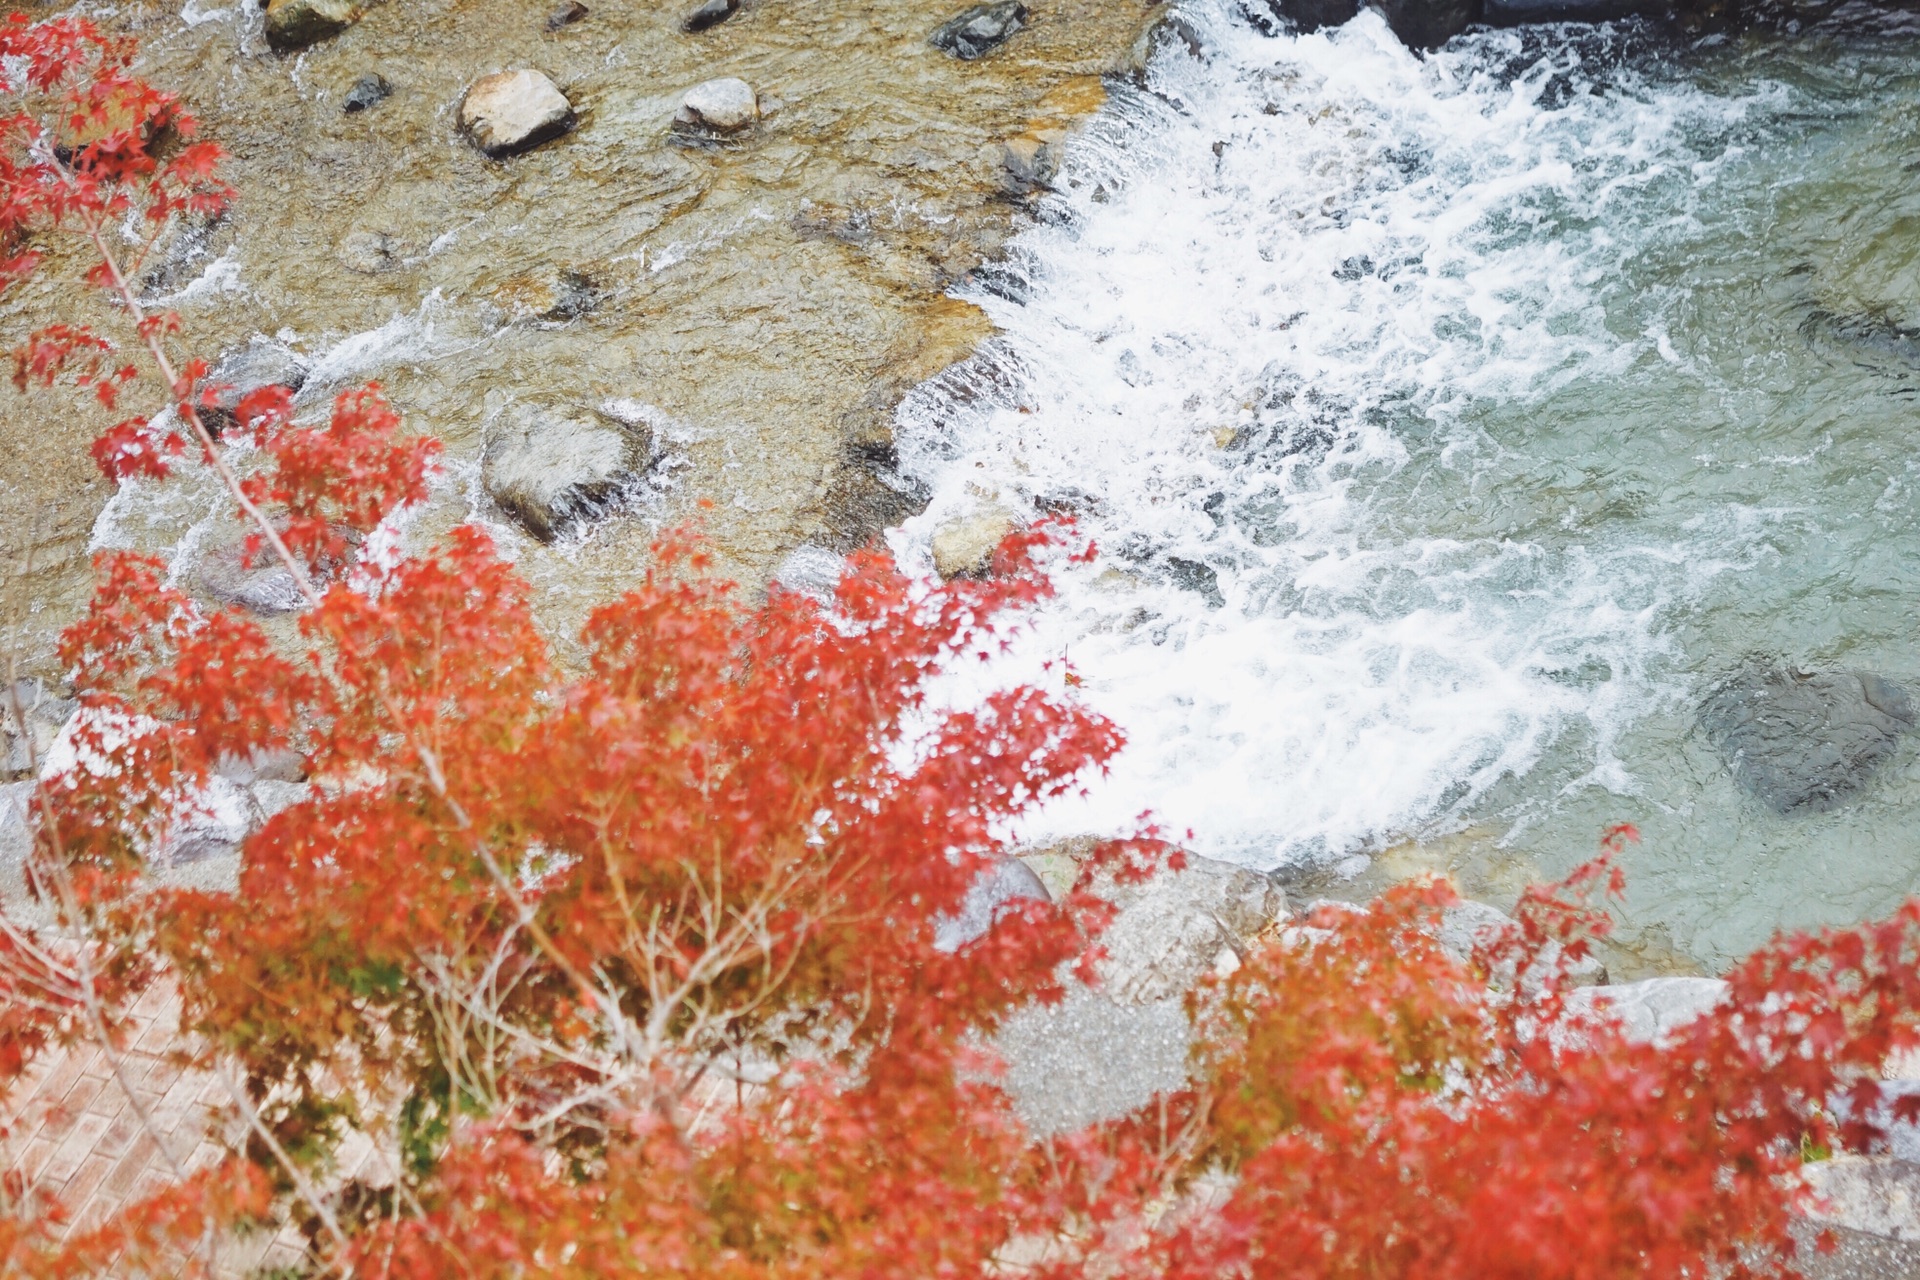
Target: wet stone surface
{"type": "Point", "coordinates": [1805, 740]}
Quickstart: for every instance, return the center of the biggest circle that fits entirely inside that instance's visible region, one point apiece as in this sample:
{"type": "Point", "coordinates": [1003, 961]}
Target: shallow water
{"type": "Point", "coordinates": [1448, 427]}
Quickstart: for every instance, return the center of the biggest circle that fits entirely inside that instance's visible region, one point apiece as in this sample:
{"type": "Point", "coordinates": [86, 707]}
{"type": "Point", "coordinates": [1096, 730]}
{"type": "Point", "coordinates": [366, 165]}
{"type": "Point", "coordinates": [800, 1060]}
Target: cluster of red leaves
{"type": "Point", "coordinates": [634, 966]}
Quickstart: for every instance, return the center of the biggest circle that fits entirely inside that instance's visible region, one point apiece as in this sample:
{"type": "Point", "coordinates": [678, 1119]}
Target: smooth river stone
{"type": "Point", "coordinates": [1805, 740]}
{"type": "Point", "coordinates": [727, 105]}
{"type": "Point", "coordinates": [511, 111]}
{"type": "Point", "coordinates": [551, 466]}
{"type": "Point", "coordinates": [975, 32]}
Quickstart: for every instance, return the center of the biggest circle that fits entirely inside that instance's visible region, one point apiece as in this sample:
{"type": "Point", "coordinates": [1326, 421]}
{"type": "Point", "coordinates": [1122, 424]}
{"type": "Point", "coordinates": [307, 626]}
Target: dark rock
{"type": "Point", "coordinates": [1311, 15]}
{"type": "Point", "coordinates": [244, 370]}
{"type": "Point", "coordinates": [295, 24]}
{"type": "Point", "coordinates": [566, 15]}
{"type": "Point", "coordinates": [260, 583]}
{"type": "Point", "coordinates": [1515, 13]}
{"type": "Point", "coordinates": [710, 14]}
{"type": "Point", "coordinates": [975, 32]}
{"type": "Point", "coordinates": [1804, 739]}
{"type": "Point", "coordinates": [1032, 160]}
{"type": "Point", "coordinates": [367, 91]}
{"type": "Point", "coordinates": [1428, 24]}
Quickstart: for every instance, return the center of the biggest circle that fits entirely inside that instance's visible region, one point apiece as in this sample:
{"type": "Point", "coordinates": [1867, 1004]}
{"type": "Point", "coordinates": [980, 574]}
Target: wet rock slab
{"type": "Point", "coordinates": [514, 111]}
{"type": "Point", "coordinates": [1805, 740]}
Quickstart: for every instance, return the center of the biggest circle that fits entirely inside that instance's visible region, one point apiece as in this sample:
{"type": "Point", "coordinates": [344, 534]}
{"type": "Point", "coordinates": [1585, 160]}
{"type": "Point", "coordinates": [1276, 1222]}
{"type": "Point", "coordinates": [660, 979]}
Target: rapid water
{"type": "Point", "coordinates": [1448, 426]}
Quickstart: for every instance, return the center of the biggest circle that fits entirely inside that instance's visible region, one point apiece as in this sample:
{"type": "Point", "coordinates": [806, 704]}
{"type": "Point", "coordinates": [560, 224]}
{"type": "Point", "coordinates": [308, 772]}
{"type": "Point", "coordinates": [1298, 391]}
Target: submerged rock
{"type": "Point", "coordinates": [566, 15]}
{"type": "Point", "coordinates": [551, 466]}
{"type": "Point", "coordinates": [975, 32]}
{"type": "Point", "coordinates": [1805, 739]}
{"type": "Point", "coordinates": [260, 583]}
{"type": "Point", "coordinates": [368, 91]}
{"type": "Point", "coordinates": [727, 105]}
{"type": "Point", "coordinates": [370, 253]}
{"type": "Point", "coordinates": [1428, 24]}
{"type": "Point", "coordinates": [512, 111]}
{"type": "Point", "coordinates": [295, 24]}
{"type": "Point", "coordinates": [965, 544]}
{"type": "Point", "coordinates": [710, 14]}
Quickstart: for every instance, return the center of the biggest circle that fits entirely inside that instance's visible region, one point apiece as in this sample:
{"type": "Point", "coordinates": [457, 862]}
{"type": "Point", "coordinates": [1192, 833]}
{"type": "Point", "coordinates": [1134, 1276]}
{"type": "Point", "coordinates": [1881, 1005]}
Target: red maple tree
{"type": "Point", "coordinates": [634, 966]}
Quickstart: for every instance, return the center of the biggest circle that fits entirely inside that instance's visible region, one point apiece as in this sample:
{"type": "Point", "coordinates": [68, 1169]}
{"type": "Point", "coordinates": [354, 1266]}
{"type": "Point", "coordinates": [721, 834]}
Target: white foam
{"type": "Point", "coordinates": [1329, 250]}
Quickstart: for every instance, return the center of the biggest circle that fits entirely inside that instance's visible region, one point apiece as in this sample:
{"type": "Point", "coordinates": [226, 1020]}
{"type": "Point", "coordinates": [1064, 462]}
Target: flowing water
{"type": "Point", "coordinates": [1447, 427]}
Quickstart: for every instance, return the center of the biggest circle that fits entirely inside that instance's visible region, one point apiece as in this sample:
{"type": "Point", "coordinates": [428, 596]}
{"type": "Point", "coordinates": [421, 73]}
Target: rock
{"type": "Point", "coordinates": [1653, 1008]}
{"type": "Point", "coordinates": [975, 32]}
{"type": "Point", "coordinates": [295, 24]}
{"type": "Point", "coordinates": [1312, 15]}
{"type": "Point", "coordinates": [550, 466]}
{"type": "Point", "coordinates": [512, 111]}
{"type": "Point", "coordinates": [278, 765]}
{"type": "Point", "coordinates": [370, 253]}
{"type": "Point", "coordinates": [965, 544]}
{"type": "Point", "coordinates": [812, 571]}
{"type": "Point", "coordinates": [551, 293]}
{"type": "Point", "coordinates": [710, 14]}
{"type": "Point", "coordinates": [1428, 24]}
{"type": "Point", "coordinates": [1467, 924]}
{"type": "Point", "coordinates": [993, 893]}
{"type": "Point", "coordinates": [1031, 160]}
{"type": "Point", "coordinates": [566, 15]}
{"type": "Point", "coordinates": [260, 584]}
{"type": "Point", "coordinates": [726, 105]}
{"type": "Point", "coordinates": [1878, 1195]}
{"type": "Point", "coordinates": [1516, 13]}
{"type": "Point", "coordinates": [1805, 740]}
{"type": "Point", "coordinates": [263, 362]}
{"type": "Point", "coordinates": [1089, 1059]}
{"type": "Point", "coordinates": [27, 738]}
{"type": "Point", "coordinates": [367, 91]}
{"type": "Point", "coordinates": [1171, 929]}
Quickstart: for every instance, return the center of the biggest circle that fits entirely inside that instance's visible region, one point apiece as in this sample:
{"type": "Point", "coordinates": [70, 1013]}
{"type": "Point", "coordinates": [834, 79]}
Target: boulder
{"type": "Point", "coordinates": [727, 105]}
{"type": "Point", "coordinates": [1653, 1008]}
{"type": "Point", "coordinates": [263, 362]}
{"type": "Point", "coordinates": [965, 543]}
{"type": "Point", "coordinates": [259, 583]}
{"type": "Point", "coordinates": [711, 14]}
{"type": "Point", "coordinates": [993, 893]}
{"type": "Point", "coordinates": [1468, 924]}
{"type": "Point", "coordinates": [1088, 1059]}
{"type": "Point", "coordinates": [1428, 24]}
{"type": "Point", "coordinates": [1175, 927]}
{"type": "Point", "coordinates": [1805, 740]}
{"type": "Point", "coordinates": [550, 466]}
{"type": "Point", "coordinates": [295, 24]}
{"type": "Point", "coordinates": [512, 111]}
{"type": "Point", "coordinates": [566, 15]}
{"type": "Point", "coordinates": [976, 32]}
{"type": "Point", "coordinates": [1878, 1195]}
{"type": "Point", "coordinates": [1312, 15]}
{"type": "Point", "coordinates": [367, 92]}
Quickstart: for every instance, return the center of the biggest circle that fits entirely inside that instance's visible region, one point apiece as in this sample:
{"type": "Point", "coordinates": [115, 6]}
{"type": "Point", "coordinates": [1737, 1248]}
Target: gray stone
{"type": "Point", "coordinates": [566, 15]}
{"type": "Point", "coordinates": [27, 738]}
{"type": "Point", "coordinates": [965, 544]}
{"type": "Point", "coordinates": [368, 91]}
{"type": "Point", "coordinates": [1468, 924]}
{"type": "Point", "coordinates": [726, 105]}
{"type": "Point", "coordinates": [1428, 24]}
{"type": "Point", "coordinates": [1172, 928]}
{"type": "Point", "coordinates": [995, 891]}
{"type": "Point", "coordinates": [1804, 740]}
{"type": "Point", "coordinates": [550, 466]}
{"type": "Point", "coordinates": [1878, 1195]}
{"type": "Point", "coordinates": [243, 370]}
{"type": "Point", "coordinates": [1031, 160]}
{"type": "Point", "coordinates": [280, 764]}
{"type": "Point", "coordinates": [370, 253]}
{"type": "Point", "coordinates": [512, 111]}
{"type": "Point", "coordinates": [1089, 1059]}
{"type": "Point", "coordinates": [1653, 1008]}
{"type": "Point", "coordinates": [711, 14]}
{"type": "Point", "coordinates": [295, 24]}
{"type": "Point", "coordinates": [811, 570]}
{"type": "Point", "coordinates": [260, 583]}
{"type": "Point", "coordinates": [975, 32]}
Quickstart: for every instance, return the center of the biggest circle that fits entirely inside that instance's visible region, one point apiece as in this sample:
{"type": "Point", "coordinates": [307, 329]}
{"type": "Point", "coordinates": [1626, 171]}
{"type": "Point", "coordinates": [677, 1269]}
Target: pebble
{"type": "Point", "coordinates": [727, 105]}
{"type": "Point", "coordinates": [566, 15]}
{"type": "Point", "coordinates": [710, 14]}
{"type": "Point", "coordinates": [367, 91]}
{"type": "Point", "coordinates": [976, 32]}
{"type": "Point", "coordinates": [511, 111]}
{"type": "Point", "coordinates": [295, 24]}
{"type": "Point", "coordinates": [1031, 161]}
